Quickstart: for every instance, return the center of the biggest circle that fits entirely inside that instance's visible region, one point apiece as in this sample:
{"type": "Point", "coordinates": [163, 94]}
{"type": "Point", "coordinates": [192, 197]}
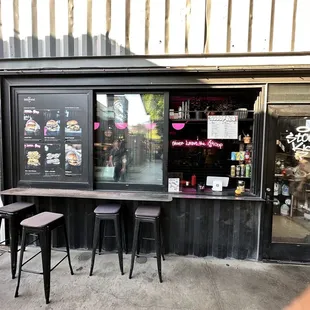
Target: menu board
{"type": "Point", "coordinates": [223, 127]}
{"type": "Point", "coordinates": [53, 137]}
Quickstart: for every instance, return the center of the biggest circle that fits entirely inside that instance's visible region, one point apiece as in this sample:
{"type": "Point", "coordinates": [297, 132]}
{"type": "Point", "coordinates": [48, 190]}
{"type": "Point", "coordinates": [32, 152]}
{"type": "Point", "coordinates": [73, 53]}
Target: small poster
{"type": "Point", "coordinates": [73, 123]}
{"type": "Point", "coordinates": [51, 125]}
{"type": "Point", "coordinates": [223, 127]}
{"type": "Point", "coordinates": [33, 159]}
{"type": "Point", "coordinates": [32, 124]}
{"type": "Point", "coordinates": [52, 164]}
{"type": "Point", "coordinates": [73, 159]}
{"type": "Point", "coordinates": [173, 185]}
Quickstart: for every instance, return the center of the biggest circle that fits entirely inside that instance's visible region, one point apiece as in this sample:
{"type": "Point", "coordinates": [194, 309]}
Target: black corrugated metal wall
{"type": "Point", "coordinates": [216, 228]}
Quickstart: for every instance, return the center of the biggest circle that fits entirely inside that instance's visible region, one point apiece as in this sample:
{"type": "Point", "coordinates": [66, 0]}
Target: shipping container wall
{"type": "Point", "coordinates": [49, 28]}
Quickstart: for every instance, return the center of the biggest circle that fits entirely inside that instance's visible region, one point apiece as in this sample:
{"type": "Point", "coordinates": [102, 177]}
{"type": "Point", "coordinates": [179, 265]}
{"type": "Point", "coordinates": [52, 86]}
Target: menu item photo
{"type": "Point", "coordinates": [32, 123]}
{"type": "Point", "coordinates": [33, 159]}
{"type": "Point", "coordinates": [53, 167]}
{"type": "Point", "coordinates": [73, 159]}
{"type": "Point", "coordinates": [52, 123]}
{"type": "Point", "coordinates": [31, 126]}
{"type": "Point", "coordinates": [73, 127]}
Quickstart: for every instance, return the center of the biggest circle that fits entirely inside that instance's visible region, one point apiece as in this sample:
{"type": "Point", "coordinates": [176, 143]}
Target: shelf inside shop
{"type": "Point", "coordinates": [239, 177]}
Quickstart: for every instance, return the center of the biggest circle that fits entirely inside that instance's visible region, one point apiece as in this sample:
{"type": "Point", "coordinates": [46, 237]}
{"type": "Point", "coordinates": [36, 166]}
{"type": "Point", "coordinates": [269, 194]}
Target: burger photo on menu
{"type": "Point", "coordinates": [33, 158]}
{"type": "Point", "coordinates": [73, 128]}
{"type": "Point", "coordinates": [73, 159]}
{"type": "Point", "coordinates": [51, 128]}
{"type": "Point", "coordinates": [31, 127]}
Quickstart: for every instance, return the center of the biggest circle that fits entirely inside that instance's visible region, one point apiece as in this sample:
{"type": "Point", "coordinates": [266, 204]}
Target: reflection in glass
{"type": "Point", "coordinates": [291, 210]}
{"type": "Point", "coordinates": [129, 138]}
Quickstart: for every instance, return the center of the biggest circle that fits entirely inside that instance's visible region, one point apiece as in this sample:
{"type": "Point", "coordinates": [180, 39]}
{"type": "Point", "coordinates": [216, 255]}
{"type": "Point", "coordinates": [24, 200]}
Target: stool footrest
{"type": "Point", "coordinates": [40, 272]}
{"type": "Point", "coordinates": [27, 261]}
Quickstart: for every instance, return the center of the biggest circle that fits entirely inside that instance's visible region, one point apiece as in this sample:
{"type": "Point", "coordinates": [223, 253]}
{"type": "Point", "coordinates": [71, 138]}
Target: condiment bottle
{"type": "Point", "coordinates": [193, 181]}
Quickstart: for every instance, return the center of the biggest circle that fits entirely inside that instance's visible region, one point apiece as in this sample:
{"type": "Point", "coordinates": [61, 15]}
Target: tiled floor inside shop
{"type": "Point", "coordinates": [189, 283]}
{"type": "Point", "coordinates": [290, 229]}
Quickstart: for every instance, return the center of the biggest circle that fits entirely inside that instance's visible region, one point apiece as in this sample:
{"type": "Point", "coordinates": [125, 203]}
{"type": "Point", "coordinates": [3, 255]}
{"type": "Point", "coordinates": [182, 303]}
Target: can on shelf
{"type": "Point", "coordinates": [233, 156]}
{"type": "Point", "coordinates": [233, 171]}
{"type": "Point", "coordinates": [248, 170]}
{"type": "Point", "coordinates": [242, 170]}
{"type": "Point", "coordinates": [238, 171]}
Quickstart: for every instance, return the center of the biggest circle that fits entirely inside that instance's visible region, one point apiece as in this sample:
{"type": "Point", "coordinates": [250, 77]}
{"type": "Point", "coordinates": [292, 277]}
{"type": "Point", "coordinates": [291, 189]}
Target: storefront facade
{"type": "Point", "coordinates": [77, 131]}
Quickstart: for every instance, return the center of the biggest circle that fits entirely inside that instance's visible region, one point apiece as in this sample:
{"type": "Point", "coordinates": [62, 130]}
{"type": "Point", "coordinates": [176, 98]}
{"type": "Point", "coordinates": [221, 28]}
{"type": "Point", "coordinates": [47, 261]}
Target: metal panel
{"type": "Point", "coordinates": [289, 93]}
{"type": "Point", "coordinates": [47, 28]}
{"type": "Point", "coordinates": [190, 227]}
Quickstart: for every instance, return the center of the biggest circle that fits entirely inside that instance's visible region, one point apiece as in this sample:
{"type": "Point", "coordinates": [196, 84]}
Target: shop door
{"type": "Point", "coordinates": [287, 212]}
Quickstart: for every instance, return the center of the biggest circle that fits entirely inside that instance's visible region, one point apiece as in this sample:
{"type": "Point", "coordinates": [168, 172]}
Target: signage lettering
{"type": "Point", "coordinates": [197, 143]}
{"type": "Point", "coordinates": [299, 141]}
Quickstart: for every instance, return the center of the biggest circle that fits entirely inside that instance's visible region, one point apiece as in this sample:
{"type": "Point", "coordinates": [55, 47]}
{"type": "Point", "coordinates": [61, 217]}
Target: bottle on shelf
{"type": "Point", "coordinates": [193, 180]}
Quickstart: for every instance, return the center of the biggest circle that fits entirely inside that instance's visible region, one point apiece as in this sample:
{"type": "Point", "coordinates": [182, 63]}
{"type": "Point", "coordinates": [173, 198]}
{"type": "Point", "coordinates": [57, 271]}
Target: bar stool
{"type": "Point", "coordinates": [148, 214]}
{"type": "Point", "coordinates": [42, 224]}
{"type": "Point", "coordinates": [15, 212]}
{"type": "Point", "coordinates": [103, 213]}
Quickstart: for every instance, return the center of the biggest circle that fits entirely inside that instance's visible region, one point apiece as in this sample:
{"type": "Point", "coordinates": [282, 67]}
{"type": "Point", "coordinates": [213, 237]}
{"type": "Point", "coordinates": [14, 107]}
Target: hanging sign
{"type": "Point", "coordinates": [223, 127]}
{"type": "Point", "coordinates": [210, 144]}
{"type": "Point", "coordinates": [301, 140]}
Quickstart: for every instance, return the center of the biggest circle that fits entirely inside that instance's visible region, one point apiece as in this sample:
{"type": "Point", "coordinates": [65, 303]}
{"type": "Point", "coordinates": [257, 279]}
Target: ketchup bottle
{"type": "Point", "coordinates": [193, 180]}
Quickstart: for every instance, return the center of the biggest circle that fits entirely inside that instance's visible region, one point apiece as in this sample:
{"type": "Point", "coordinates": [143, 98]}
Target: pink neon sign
{"type": "Point", "coordinates": [198, 143]}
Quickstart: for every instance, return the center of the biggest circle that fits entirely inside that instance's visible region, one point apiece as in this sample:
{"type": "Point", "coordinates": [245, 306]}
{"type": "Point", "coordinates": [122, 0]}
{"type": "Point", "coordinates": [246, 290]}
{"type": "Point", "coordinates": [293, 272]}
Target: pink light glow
{"type": "Point", "coordinates": [121, 126]}
{"type": "Point", "coordinates": [150, 126]}
{"type": "Point", "coordinates": [96, 125]}
{"type": "Point", "coordinates": [198, 143]}
{"type": "Point", "coordinates": [178, 126]}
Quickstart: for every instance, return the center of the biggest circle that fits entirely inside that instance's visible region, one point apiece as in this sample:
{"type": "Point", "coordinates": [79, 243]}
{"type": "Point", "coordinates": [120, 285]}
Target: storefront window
{"type": "Point", "coordinates": [129, 138]}
{"type": "Point", "coordinates": [211, 141]}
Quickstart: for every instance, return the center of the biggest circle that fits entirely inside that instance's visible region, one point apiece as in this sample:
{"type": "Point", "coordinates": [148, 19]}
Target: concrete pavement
{"type": "Point", "coordinates": [189, 283]}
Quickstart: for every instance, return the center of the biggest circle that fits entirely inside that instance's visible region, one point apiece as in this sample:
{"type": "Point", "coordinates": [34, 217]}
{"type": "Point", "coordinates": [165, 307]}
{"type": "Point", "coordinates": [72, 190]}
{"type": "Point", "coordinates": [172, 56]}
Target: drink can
{"type": "Point", "coordinates": [238, 156]}
{"type": "Point", "coordinates": [242, 155]}
{"type": "Point", "coordinates": [247, 170]}
{"type": "Point", "coordinates": [233, 171]}
{"type": "Point", "coordinates": [233, 156]}
{"type": "Point", "coordinates": [238, 171]}
{"type": "Point", "coordinates": [242, 170]}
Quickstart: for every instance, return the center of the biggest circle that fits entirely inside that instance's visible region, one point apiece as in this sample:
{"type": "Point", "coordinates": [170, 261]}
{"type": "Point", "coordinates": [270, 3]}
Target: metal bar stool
{"type": "Point", "coordinates": [103, 213]}
{"type": "Point", "coordinates": [42, 224]}
{"type": "Point", "coordinates": [14, 213]}
{"type": "Point", "coordinates": [148, 214]}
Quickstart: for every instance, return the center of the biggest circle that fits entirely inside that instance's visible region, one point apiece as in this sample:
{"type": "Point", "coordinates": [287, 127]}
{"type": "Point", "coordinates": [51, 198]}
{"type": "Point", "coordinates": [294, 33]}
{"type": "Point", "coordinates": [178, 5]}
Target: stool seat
{"type": "Point", "coordinates": [16, 207]}
{"type": "Point", "coordinates": [148, 211]}
{"type": "Point", "coordinates": [108, 209]}
{"type": "Point", "coordinates": [41, 219]}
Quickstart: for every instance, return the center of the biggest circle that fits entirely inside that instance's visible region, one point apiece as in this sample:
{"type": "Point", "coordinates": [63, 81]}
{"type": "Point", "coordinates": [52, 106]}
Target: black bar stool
{"type": "Point", "coordinates": [42, 224]}
{"type": "Point", "coordinates": [148, 214]}
{"type": "Point", "coordinates": [15, 213]}
{"type": "Point", "coordinates": [103, 213]}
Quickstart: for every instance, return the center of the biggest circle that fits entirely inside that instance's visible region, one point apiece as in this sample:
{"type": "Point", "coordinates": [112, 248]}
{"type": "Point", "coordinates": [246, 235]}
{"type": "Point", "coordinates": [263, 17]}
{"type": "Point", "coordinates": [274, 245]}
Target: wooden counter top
{"type": "Point", "coordinates": [122, 195]}
{"type": "Point", "coordinates": [97, 194]}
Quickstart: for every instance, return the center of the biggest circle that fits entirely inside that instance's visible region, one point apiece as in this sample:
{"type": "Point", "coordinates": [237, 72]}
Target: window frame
{"type": "Point", "coordinates": [137, 186]}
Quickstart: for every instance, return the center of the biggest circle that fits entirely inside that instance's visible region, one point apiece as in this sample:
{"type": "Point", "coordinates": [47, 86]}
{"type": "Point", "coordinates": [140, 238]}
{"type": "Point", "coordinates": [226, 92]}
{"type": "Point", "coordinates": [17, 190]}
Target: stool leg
{"type": "Point", "coordinates": [45, 240]}
{"type": "Point", "coordinates": [134, 246]}
{"type": "Point", "coordinates": [67, 246]}
{"type": "Point", "coordinates": [95, 242]}
{"type": "Point", "coordinates": [162, 242]}
{"type": "Point", "coordinates": [14, 228]}
{"type": "Point", "coordinates": [20, 260]}
{"type": "Point", "coordinates": [117, 226]}
{"type": "Point", "coordinates": [101, 233]}
{"type": "Point", "coordinates": [158, 248]}
{"type": "Point", "coordinates": [124, 234]}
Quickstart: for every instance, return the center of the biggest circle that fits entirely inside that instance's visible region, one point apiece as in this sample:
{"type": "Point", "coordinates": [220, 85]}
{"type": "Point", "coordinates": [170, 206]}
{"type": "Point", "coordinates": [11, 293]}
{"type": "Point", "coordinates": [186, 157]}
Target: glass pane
{"type": "Point", "coordinates": [291, 210]}
{"type": "Point", "coordinates": [129, 138]}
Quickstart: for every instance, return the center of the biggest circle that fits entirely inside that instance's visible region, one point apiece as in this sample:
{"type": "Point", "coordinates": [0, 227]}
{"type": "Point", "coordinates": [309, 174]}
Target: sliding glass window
{"type": "Point", "coordinates": [129, 130]}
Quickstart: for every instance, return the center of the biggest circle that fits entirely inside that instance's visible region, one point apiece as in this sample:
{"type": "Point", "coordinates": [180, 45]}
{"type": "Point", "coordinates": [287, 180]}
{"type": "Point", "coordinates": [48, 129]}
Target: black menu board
{"type": "Point", "coordinates": [53, 132]}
